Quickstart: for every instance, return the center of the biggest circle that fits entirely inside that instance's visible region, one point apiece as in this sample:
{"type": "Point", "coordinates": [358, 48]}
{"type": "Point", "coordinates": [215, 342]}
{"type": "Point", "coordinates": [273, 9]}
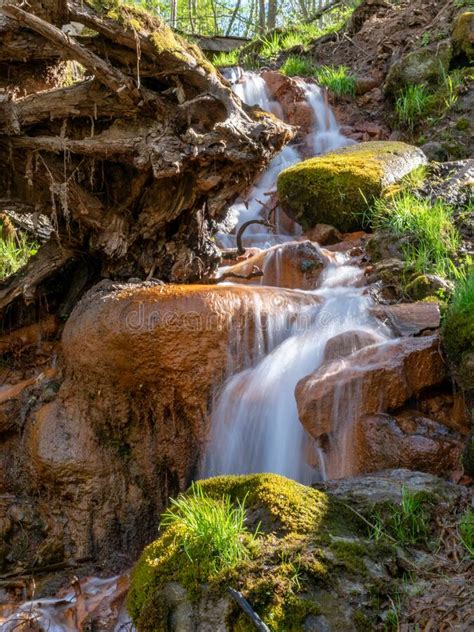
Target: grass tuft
{"type": "Point", "coordinates": [211, 531]}
{"type": "Point", "coordinates": [412, 104]}
{"type": "Point", "coordinates": [407, 523]}
{"type": "Point", "coordinates": [223, 59]}
{"type": "Point", "coordinates": [458, 324]}
{"type": "Point", "coordinates": [296, 66]}
{"type": "Point", "coordinates": [337, 79]}
{"type": "Point", "coordinates": [14, 254]}
{"type": "Point", "coordinates": [432, 238]}
{"type": "Point", "coordinates": [466, 531]}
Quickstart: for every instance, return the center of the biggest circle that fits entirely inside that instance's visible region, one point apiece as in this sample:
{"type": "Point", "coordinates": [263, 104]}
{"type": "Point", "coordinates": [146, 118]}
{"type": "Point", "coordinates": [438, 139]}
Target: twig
{"type": "Point", "coordinates": [243, 228]}
{"type": "Point", "coordinates": [256, 272]}
{"type": "Point", "coordinates": [248, 610]}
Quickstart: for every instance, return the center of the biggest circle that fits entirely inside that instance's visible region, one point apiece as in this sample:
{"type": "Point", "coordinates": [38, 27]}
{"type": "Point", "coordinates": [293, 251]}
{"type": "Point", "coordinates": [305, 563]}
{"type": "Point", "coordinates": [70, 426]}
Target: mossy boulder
{"type": "Point", "coordinates": [336, 188]}
{"type": "Point", "coordinates": [426, 65]}
{"type": "Point", "coordinates": [463, 34]}
{"type": "Point", "coordinates": [312, 565]}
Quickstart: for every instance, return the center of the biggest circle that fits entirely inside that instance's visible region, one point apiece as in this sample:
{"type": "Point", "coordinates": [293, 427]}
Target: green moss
{"type": "Point", "coordinates": [351, 555]}
{"type": "Point", "coordinates": [335, 188]}
{"type": "Point", "coordinates": [458, 331]}
{"type": "Point", "coordinates": [462, 34]}
{"type": "Point", "coordinates": [281, 503]}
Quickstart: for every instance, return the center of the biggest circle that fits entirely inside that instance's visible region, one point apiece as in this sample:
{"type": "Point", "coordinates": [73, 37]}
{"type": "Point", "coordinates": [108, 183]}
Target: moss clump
{"type": "Point", "coordinates": [461, 36]}
{"type": "Point", "coordinates": [458, 332]}
{"type": "Point", "coordinates": [336, 188]}
{"type": "Point", "coordinates": [284, 561]}
{"type": "Point", "coordinates": [350, 554]}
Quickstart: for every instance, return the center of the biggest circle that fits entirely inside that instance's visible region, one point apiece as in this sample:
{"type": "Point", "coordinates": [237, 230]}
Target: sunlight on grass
{"type": "Point", "coordinates": [413, 103]}
{"type": "Point", "coordinates": [14, 254]}
{"type": "Point", "coordinates": [433, 239]}
{"type": "Point", "coordinates": [336, 78]}
{"type": "Point", "coordinates": [211, 532]}
{"type": "Point", "coordinates": [230, 58]}
{"type": "Point", "coordinates": [295, 66]}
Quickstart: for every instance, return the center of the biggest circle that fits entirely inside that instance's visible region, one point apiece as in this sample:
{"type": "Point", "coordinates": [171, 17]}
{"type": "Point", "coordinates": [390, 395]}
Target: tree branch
{"type": "Point", "coordinates": [114, 79]}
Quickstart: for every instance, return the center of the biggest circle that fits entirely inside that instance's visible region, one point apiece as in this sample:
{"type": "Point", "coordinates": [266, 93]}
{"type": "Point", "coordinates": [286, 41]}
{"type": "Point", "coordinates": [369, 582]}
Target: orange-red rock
{"type": "Point", "coordinates": [374, 379]}
{"type": "Point", "coordinates": [290, 265]}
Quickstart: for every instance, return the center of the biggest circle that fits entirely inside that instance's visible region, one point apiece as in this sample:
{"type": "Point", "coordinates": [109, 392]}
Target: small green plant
{"type": "Point", "coordinates": [271, 46]}
{"type": "Point", "coordinates": [295, 66]}
{"type": "Point", "coordinates": [425, 38]}
{"type": "Point", "coordinates": [412, 104]}
{"type": "Point", "coordinates": [466, 530]}
{"type": "Point", "coordinates": [407, 523]}
{"type": "Point", "coordinates": [230, 58]}
{"type": "Point", "coordinates": [431, 237]}
{"type": "Point", "coordinates": [336, 79]}
{"type": "Point", "coordinates": [211, 532]}
{"type": "Point", "coordinates": [291, 40]}
{"type": "Point", "coordinates": [458, 323]}
{"type": "Point", "coordinates": [14, 253]}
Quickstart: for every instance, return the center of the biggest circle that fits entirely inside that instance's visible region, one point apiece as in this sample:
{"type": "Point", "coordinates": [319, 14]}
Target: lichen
{"type": "Point", "coordinates": [336, 188]}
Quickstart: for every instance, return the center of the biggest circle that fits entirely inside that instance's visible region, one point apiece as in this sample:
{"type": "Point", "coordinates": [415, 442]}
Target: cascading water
{"type": "Point", "coordinates": [326, 136]}
{"type": "Point", "coordinates": [255, 425]}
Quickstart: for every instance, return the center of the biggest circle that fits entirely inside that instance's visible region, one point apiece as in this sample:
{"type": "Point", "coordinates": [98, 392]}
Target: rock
{"type": "Point", "coordinates": [290, 265]}
{"type": "Point", "coordinates": [382, 245]}
{"type": "Point", "coordinates": [468, 456]}
{"type": "Point", "coordinates": [324, 235]}
{"type": "Point", "coordinates": [408, 440]}
{"type": "Point", "coordinates": [435, 151]}
{"type": "Point", "coordinates": [322, 530]}
{"type": "Point", "coordinates": [290, 95]}
{"type": "Point", "coordinates": [409, 319]}
{"type": "Point", "coordinates": [126, 428]}
{"type": "Point", "coordinates": [365, 84]}
{"type": "Point", "coordinates": [373, 489]}
{"type": "Point", "coordinates": [463, 34]}
{"type": "Point", "coordinates": [347, 343]}
{"type": "Point", "coordinates": [425, 65]}
{"type": "Point", "coordinates": [374, 379]}
{"type": "Point", "coordinates": [300, 115]}
{"type": "Point", "coordinates": [335, 188]}
{"type": "Point", "coordinates": [425, 285]}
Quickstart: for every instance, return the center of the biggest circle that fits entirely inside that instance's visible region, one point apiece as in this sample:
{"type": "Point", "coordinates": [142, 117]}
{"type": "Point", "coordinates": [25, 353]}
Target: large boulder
{"type": "Point", "coordinates": [314, 564]}
{"type": "Point", "coordinates": [424, 65]}
{"type": "Point", "coordinates": [337, 187]}
{"type": "Point", "coordinates": [463, 34]}
{"type": "Point", "coordinates": [127, 426]}
{"type": "Point", "coordinates": [376, 378]}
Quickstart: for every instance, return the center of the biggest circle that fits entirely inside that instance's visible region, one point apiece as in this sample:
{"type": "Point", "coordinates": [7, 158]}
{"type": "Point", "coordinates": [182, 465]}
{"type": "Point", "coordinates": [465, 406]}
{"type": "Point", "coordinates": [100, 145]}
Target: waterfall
{"type": "Point", "coordinates": [254, 424]}
{"type": "Point", "coordinates": [326, 136]}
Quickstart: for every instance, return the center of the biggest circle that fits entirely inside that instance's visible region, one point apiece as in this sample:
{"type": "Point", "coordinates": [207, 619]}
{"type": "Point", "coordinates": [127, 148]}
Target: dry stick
{"type": "Point", "coordinates": [114, 79]}
{"type": "Point", "coordinates": [255, 273]}
{"type": "Point", "coordinates": [248, 610]}
{"type": "Point", "coordinates": [243, 228]}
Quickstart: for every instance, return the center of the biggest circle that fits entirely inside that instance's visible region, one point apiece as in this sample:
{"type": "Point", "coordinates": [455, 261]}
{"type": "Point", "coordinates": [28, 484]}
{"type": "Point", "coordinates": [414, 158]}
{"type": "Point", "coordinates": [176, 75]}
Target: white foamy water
{"type": "Point", "coordinates": [255, 425]}
{"type": "Point", "coordinates": [326, 136]}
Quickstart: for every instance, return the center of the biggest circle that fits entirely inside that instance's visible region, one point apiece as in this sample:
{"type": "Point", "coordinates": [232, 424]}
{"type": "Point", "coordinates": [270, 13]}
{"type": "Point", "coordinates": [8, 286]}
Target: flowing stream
{"type": "Point", "coordinates": [255, 425]}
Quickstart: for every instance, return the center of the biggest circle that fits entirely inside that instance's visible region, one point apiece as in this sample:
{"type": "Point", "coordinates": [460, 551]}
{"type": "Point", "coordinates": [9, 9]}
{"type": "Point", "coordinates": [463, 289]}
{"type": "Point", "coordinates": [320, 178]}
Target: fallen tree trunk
{"type": "Point", "coordinates": [134, 164]}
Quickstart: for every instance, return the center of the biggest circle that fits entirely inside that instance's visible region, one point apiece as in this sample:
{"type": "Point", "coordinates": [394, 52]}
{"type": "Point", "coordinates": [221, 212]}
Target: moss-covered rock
{"type": "Point", "coordinates": [463, 34]}
{"type": "Point", "coordinates": [425, 65]}
{"type": "Point", "coordinates": [336, 188]}
{"type": "Point", "coordinates": [313, 566]}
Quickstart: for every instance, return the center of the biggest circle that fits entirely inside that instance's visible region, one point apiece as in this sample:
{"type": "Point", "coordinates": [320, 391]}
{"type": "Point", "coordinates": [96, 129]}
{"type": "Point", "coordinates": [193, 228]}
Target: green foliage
{"type": "Point", "coordinates": [210, 530]}
{"type": "Point", "coordinates": [230, 58]}
{"type": "Point", "coordinates": [466, 530]}
{"type": "Point", "coordinates": [458, 324]}
{"type": "Point", "coordinates": [296, 66]}
{"type": "Point", "coordinates": [14, 254]}
{"type": "Point", "coordinates": [336, 79]}
{"type": "Point", "coordinates": [432, 237]}
{"type": "Point", "coordinates": [407, 523]}
{"type": "Point", "coordinates": [412, 104]}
